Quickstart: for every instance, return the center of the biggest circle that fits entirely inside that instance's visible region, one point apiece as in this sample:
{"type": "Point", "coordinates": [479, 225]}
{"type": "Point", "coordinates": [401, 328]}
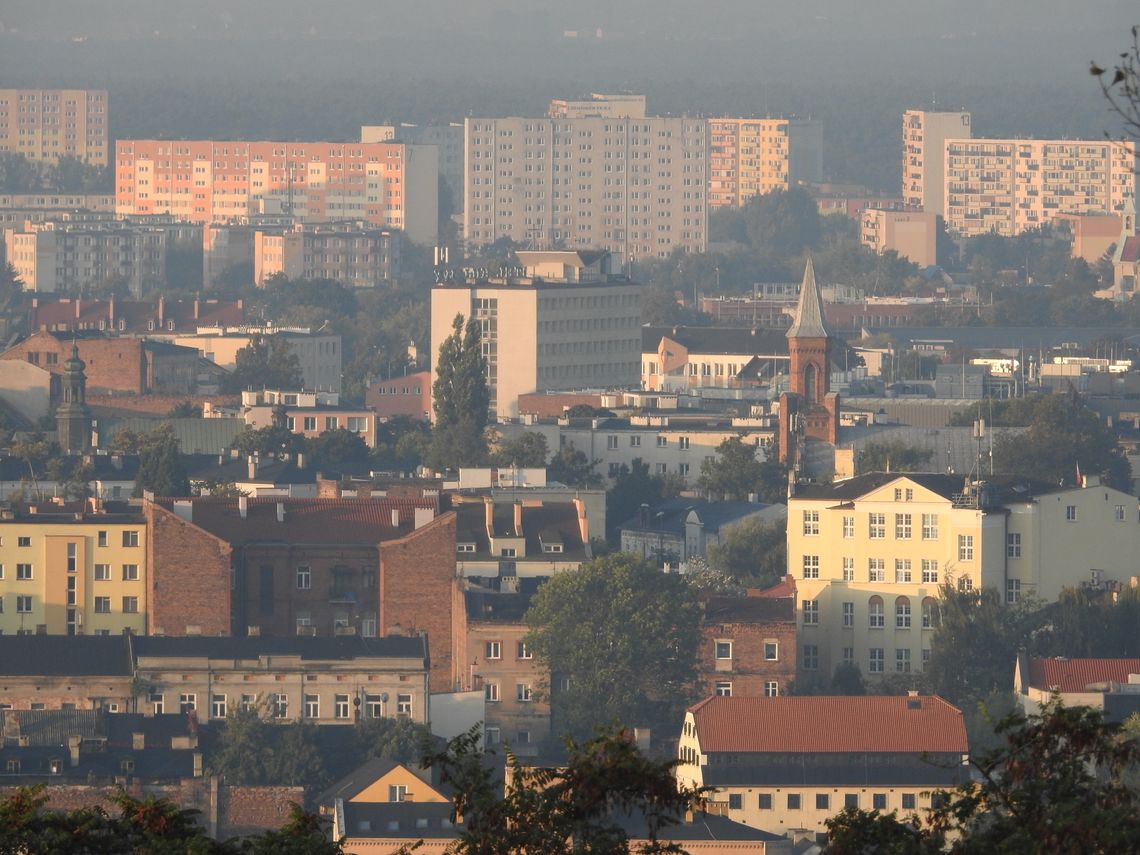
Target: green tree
{"type": "Point", "coordinates": [624, 635]}
{"type": "Point", "coordinates": [338, 447]}
{"type": "Point", "coordinates": [632, 488]}
{"type": "Point", "coordinates": [573, 468]}
{"type": "Point", "coordinates": [847, 679]}
{"type": "Point", "coordinates": [242, 752]}
{"type": "Point", "coordinates": [525, 450]}
{"type": "Point", "coordinates": [783, 221]}
{"type": "Point", "coordinates": [892, 456]}
{"type": "Point", "coordinates": [461, 399]}
{"type": "Point", "coordinates": [160, 468]}
{"type": "Point", "coordinates": [185, 410]}
{"type": "Point", "coordinates": [736, 473]}
{"type": "Point", "coordinates": [753, 552]}
{"type": "Point", "coordinates": [570, 810]}
{"type": "Point", "coordinates": [267, 362]}
{"type": "Point", "coordinates": [269, 441]}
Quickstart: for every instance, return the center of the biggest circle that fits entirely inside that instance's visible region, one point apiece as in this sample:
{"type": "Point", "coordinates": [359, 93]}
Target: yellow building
{"type": "Point", "coordinates": [47, 124]}
{"type": "Point", "coordinates": [869, 555]}
{"type": "Point", "coordinates": [912, 234]}
{"type": "Point", "coordinates": [74, 570]}
{"type": "Point", "coordinates": [924, 134]}
{"type": "Point", "coordinates": [750, 157]}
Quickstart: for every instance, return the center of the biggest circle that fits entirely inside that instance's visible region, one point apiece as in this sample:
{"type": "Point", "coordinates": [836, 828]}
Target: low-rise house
{"type": "Point", "coordinates": [790, 763]}
{"type": "Point", "coordinates": [684, 528]}
{"type": "Point", "coordinates": [408, 395]}
{"type": "Point", "coordinates": [748, 645]}
{"type": "Point", "coordinates": [505, 541]}
{"type": "Point", "coordinates": [307, 413]}
{"type": "Point", "coordinates": [1109, 685]}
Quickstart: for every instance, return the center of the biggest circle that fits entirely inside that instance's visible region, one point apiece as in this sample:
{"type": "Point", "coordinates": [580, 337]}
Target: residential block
{"type": "Point", "coordinates": [47, 124]}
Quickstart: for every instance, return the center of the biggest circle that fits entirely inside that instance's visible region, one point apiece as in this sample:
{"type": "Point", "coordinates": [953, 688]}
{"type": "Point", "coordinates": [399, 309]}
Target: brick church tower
{"type": "Point", "coordinates": [809, 409]}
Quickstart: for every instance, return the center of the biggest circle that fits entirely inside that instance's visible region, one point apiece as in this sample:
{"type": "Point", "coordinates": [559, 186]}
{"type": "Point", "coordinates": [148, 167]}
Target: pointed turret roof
{"type": "Point", "coordinates": [809, 313]}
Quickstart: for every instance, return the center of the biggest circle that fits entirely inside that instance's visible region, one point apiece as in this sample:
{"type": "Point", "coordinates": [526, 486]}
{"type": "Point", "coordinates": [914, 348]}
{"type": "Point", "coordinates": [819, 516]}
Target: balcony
{"type": "Point", "coordinates": [338, 594]}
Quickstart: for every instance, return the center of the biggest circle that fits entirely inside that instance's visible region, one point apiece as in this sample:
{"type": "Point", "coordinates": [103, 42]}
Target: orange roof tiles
{"type": "Point", "coordinates": [821, 724]}
{"type": "Point", "coordinates": [1075, 675]}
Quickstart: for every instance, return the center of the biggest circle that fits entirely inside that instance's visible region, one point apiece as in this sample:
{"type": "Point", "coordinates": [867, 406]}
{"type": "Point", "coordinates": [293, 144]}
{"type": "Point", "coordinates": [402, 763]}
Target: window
{"type": "Point", "coordinates": [849, 655]}
{"type": "Point", "coordinates": [1012, 591]}
{"type": "Point", "coordinates": [23, 541]}
{"type": "Point", "coordinates": [848, 615]}
{"type": "Point", "coordinates": [279, 704]}
{"type": "Point", "coordinates": [72, 554]}
{"type": "Point", "coordinates": [724, 650]}
{"type": "Point", "coordinates": [103, 605]}
{"type": "Point", "coordinates": [310, 423]}
{"type": "Point", "coordinates": [312, 706]}
{"type": "Point", "coordinates": [876, 570]}
{"type": "Point", "coordinates": [157, 703]}
{"type": "Point", "coordinates": [902, 613]}
{"type": "Point", "coordinates": [374, 706]}
{"type": "Point", "coordinates": [662, 442]}
{"type": "Point", "coordinates": [965, 547]}
{"type": "Point", "coordinates": [187, 702]}
{"type": "Point", "coordinates": [1071, 513]}
{"type": "Point", "coordinates": [12, 767]}
{"type": "Point", "coordinates": [611, 442]}
{"type": "Point", "coordinates": [902, 570]}
{"type": "Point", "coordinates": [340, 706]}
{"type": "Point", "coordinates": [811, 522]}
{"type": "Point", "coordinates": [493, 650]}
{"type": "Point", "coordinates": [902, 526]}
{"type": "Point", "coordinates": [130, 538]}
{"type": "Point", "coordinates": [130, 572]}
{"type": "Point", "coordinates": [928, 613]}
{"type": "Point", "coordinates": [735, 801]}
{"type": "Point", "coordinates": [793, 801]}
{"type": "Point", "coordinates": [1119, 514]}
{"type": "Point", "coordinates": [101, 539]}
{"type": "Point", "coordinates": [403, 705]}
{"type": "Point", "coordinates": [851, 800]}
{"type": "Point", "coordinates": [765, 801]}
{"type": "Point", "coordinates": [876, 660]}
{"type": "Point", "coordinates": [811, 657]}
{"type": "Point", "coordinates": [929, 571]}
{"type": "Point", "coordinates": [848, 527]}
{"type": "Point", "coordinates": [397, 792]}
{"type": "Point", "coordinates": [875, 618]}
{"type": "Point", "coordinates": [24, 571]}
{"type": "Point", "coordinates": [522, 652]}
{"type": "Point", "coordinates": [218, 706]}
{"type": "Point", "coordinates": [771, 689]}
{"type": "Point", "coordinates": [491, 692]}
{"type": "Point", "coordinates": [723, 689]}
{"type": "Point", "coordinates": [522, 737]}
{"type": "Point", "coordinates": [902, 660]}
{"type": "Point", "coordinates": [130, 605]}
{"type": "Point", "coordinates": [965, 584]}
{"type": "Point", "coordinates": [24, 605]}
{"type": "Point", "coordinates": [822, 801]}
{"type": "Point", "coordinates": [771, 651]}
{"type": "Point", "coordinates": [848, 569]}
{"type": "Point", "coordinates": [811, 612]}
{"type": "Point", "coordinates": [304, 578]}
{"type": "Point", "coordinates": [811, 566]}
{"type": "Point", "coordinates": [492, 736]}
{"type": "Point", "coordinates": [930, 526]}
{"type": "Point", "coordinates": [635, 441]}
{"type": "Point", "coordinates": [879, 801]}
{"type": "Point", "coordinates": [908, 801]}
{"type": "Point", "coordinates": [876, 526]}
{"type": "Point", "coordinates": [248, 702]}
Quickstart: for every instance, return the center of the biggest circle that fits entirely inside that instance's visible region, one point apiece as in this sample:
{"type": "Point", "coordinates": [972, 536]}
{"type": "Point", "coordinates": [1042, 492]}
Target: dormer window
{"type": "Point", "coordinates": [552, 548]}
{"type": "Point", "coordinates": [150, 324]}
{"type": "Point", "coordinates": [170, 325]}
{"type": "Point", "coordinates": [465, 547]}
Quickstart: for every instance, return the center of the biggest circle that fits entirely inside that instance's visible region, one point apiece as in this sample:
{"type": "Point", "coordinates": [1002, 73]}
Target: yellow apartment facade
{"type": "Point", "coordinates": [750, 157]}
{"type": "Point", "coordinates": [924, 134]}
{"type": "Point", "coordinates": [870, 554]}
{"type": "Point", "coordinates": [47, 124]}
{"type": "Point", "coordinates": [912, 234]}
{"type": "Point", "coordinates": [73, 570]}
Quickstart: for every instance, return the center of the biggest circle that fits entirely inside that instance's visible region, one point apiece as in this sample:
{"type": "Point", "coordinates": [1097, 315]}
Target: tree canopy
{"type": "Point", "coordinates": [160, 467]}
{"type": "Point", "coordinates": [736, 473]}
{"type": "Point", "coordinates": [753, 552]}
{"type": "Point", "coordinates": [460, 398]}
{"type": "Point", "coordinates": [893, 456]}
{"type": "Point", "coordinates": [268, 362]}
{"type": "Point", "coordinates": [619, 638]}
{"type": "Point", "coordinates": [573, 468]}
{"type": "Point", "coordinates": [528, 449]}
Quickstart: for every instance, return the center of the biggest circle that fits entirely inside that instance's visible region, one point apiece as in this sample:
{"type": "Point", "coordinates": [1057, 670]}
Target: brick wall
{"type": "Point", "coordinates": [748, 670]}
{"type": "Point", "coordinates": [250, 810]}
{"type": "Point", "coordinates": [418, 594]}
{"type": "Point", "coordinates": [189, 577]}
{"type": "Point", "coordinates": [156, 405]}
{"type": "Point", "coordinates": [113, 364]}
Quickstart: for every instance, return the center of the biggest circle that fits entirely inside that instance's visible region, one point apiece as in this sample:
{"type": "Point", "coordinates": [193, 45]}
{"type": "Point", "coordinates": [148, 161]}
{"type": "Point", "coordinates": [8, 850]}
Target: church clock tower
{"type": "Point", "coordinates": [72, 417]}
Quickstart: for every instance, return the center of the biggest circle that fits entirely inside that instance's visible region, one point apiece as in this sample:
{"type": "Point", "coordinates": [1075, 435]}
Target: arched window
{"type": "Point", "coordinates": [876, 619]}
{"type": "Point", "coordinates": [929, 613]}
{"type": "Point", "coordinates": [810, 380]}
{"type": "Point", "coordinates": [902, 613]}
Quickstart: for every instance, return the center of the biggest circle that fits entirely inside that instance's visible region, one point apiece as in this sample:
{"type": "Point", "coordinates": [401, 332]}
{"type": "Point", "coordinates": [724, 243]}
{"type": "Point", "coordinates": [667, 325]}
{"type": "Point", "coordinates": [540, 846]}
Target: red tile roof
{"type": "Point", "coordinates": [821, 724]}
{"type": "Point", "coordinates": [1131, 249]}
{"type": "Point", "coordinates": [327, 521]}
{"type": "Point", "coordinates": [1075, 675]}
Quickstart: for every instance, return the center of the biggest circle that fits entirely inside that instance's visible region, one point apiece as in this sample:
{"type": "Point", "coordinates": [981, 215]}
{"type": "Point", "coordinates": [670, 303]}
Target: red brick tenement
{"type": "Point", "coordinates": [748, 646]}
{"type": "Point", "coordinates": [189, 578]}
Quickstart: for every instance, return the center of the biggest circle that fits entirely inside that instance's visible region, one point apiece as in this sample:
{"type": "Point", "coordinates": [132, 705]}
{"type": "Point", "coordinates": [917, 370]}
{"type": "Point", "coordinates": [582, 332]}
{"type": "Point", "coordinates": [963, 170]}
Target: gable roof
{"type": "Point", "coordinates": [1077, 675]}
{"type": "Point", "coordinates": [750, 610]}
{"type": "Point", "coordinates": [360, 779]}
{"type": "Point", "coordinates": [895, 724]}
{"type": "Point", "coordinates": [808, 322]}
{"type": "Point", "coordinates": [720, 340]}
{"type": "Point", "coordinates": [854, 488]}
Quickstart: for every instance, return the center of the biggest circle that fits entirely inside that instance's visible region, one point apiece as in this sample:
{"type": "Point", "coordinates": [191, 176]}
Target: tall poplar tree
{"type": "Point", "coordinates": [461, 399]}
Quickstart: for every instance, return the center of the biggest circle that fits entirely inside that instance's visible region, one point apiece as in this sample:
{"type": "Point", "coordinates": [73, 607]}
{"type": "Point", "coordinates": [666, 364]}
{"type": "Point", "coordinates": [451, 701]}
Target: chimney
{"type": "Point", "coordinates": [643, 515]}
{"type": "Point", "coordinates": [138, 741]}
{"type": "Point", "coordinates": [78, 308]}
{"type": "Point", "coordinates": [73, 743]}
{"type": "Point", "coordinates": [583, 521]}
{"type": "Point", "coordinates": [111, 310]}
{"type": "Point", "coordinates": [161, 311]}
{"type": "Point", "coordinates": [197, 764]}
{"type": "Point", "coordinates": [395, 517]}
{"type": "Point", "coordinates": [280, 512]}
{"type": "Point", "coordinates": [184, 508]}
{"type": "Point", "coordinates": [300, 460]}
{"type": "Point", "coordinates": [423, 516]}
{"type": "Point", "coordinates": [518, 519]}
{"type": "Point", "coordinates": [251, 465]}
{"type": "Point", "coordinates": [489, 516]}
{"type": "Point", "coordinates": [195, 308]}
{"type": "Point", "coordinates": [243, 506]}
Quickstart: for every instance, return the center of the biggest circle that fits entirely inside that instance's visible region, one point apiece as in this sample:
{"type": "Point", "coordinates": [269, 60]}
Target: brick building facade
{"type": "Point", "coordinates": [748, 646]}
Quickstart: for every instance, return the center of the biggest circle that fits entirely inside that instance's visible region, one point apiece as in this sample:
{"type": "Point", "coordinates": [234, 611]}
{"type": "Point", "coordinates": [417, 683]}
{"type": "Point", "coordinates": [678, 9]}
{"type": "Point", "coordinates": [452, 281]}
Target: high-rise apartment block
{"type": "Point", "coordinates": [636, 187]}
{"type": "Point", "coordinates": [448, 140]}
{"type": "Point", "coordinates": [352, 254]}
{"type": "Point", "coordinates": [750, 157]}
{"type": "Point", "coordinates": [623, 106]}
{"type": "Point", "coordinates": [47, 124]}
{"type": "Point", "coordinates": [566, 324]}
{"type": "Point", "coordinates": [1010, 185]}
{"type": "Point", "coordinates": [924, 136]}
{"type": "Point", "coordinates": [389, 185]}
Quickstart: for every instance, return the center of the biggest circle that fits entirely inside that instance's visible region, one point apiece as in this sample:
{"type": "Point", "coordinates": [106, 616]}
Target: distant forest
{"type": "Point", "coordinates": [221, 71]}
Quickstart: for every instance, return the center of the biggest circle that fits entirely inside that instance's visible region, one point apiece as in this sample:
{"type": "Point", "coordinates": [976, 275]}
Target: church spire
{"type": "Point", "coordinates": [808, 322]}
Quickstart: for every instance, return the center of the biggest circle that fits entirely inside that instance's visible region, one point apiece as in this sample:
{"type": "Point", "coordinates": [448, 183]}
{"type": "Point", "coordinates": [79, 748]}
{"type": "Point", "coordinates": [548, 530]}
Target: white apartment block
{"type": "Point", "coordinates": [566, 324]}
{"type": "Point", "coordinates": [870, 554]}
{"type": "Point", "coordinates": [1009, 186]}
{"type": "Point", "coordinates": [636, 187]}
{"type": "Point", "coordinates": [924, 136]}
